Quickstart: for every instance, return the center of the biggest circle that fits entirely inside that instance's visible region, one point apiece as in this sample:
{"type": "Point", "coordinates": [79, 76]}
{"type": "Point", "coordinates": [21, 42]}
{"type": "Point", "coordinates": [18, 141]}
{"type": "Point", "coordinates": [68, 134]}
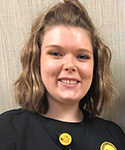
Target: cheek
{"type": "Point", "coordinates": [48, 68]}
{"type": "Point", "coordinates": [87, 71]}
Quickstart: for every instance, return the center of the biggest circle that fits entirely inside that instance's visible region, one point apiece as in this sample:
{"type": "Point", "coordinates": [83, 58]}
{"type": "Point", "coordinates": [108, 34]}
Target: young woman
{"type": "Point", "coordinates": [65, 83]}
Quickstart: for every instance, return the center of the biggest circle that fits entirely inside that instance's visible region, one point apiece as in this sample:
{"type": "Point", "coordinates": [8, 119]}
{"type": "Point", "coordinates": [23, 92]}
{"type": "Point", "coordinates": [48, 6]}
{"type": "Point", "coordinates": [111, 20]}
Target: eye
{"type": "Point", "coordinates": [81, 56]}
{"type": "Point", "coordinates": [55, 53]}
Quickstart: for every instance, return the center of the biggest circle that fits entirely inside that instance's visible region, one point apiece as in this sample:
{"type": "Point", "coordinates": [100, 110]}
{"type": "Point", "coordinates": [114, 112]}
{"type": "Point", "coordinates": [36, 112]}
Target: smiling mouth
{"type": "Point", "coordinates": [70, 82]}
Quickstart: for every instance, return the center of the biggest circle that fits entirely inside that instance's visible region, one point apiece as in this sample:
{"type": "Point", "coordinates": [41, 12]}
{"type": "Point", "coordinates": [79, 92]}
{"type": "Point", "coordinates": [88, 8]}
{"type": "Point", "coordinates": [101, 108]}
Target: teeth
{"type": "Point", "coordinates": [69, 81]}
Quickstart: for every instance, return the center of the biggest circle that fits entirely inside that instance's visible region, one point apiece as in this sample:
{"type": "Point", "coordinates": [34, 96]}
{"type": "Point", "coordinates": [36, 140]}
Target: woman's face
{"type": "Point", "coordinates": [66, 64]}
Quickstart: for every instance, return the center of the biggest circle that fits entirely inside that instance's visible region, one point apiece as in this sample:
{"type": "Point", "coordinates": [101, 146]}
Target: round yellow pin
{"type": "Point", "coordinates": [65, 139]}
{"type": "Point", "coordinates": [107, 146]}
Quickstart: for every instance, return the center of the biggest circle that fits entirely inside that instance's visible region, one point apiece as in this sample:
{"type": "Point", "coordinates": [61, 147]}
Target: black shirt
{"type": "Point", "coordinates": [24, 130]}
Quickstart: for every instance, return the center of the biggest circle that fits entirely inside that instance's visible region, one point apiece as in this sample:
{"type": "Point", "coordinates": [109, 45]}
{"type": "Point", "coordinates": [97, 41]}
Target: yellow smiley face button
{"type": "Point", "coordinates": [107, 146]}
{"type": "Point", "coordinates": [65, 139]}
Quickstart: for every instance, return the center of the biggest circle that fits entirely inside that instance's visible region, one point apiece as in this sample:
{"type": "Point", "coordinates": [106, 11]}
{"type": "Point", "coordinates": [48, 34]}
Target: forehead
{"type": "Point", "coordinates": [67, 35]}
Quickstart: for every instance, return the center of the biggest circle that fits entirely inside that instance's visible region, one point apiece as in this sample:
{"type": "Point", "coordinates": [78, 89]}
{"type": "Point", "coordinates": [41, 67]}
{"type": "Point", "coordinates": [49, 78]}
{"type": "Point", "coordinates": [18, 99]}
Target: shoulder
{"type": "Point", "coordinates": [102, 130]}
{"type": "Point", "coordinates": [103, 124]}
{"type": "Point", "coordinates": [13, 124]}
{"type": "Point", "coordinates": [107, 125]}
{"type": "Point", "coordinates": [15, 120]}
{"type": "Point", "coordinates": [8, 122]}
{"type": "Point", "coordinates": [20, 128]}
{"type": "Point", "coordinates": [14, 115]}
{"type": "Point", "coordinates": [106, 130]}
{"type": "Point", "coordinates": [10, 113]}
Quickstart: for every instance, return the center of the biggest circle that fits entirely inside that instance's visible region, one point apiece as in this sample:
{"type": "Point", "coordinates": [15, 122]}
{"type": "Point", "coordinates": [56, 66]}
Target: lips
{"type": "Point", "coordinates": [69, 81]}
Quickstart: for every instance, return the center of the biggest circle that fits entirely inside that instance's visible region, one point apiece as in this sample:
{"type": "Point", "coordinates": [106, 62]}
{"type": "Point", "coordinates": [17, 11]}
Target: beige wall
{"type": "Point", "coordinates": [16, 17]}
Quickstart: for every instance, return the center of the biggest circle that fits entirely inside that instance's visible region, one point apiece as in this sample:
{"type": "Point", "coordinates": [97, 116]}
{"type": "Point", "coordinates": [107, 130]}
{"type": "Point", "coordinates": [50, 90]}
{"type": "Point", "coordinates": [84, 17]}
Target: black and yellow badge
{"type": "Point", "coordinates": [107, 146]}
{"type": "Point", "coordinates": [65, 139]}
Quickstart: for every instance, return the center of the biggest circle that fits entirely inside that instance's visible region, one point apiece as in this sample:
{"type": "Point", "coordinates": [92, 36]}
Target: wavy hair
{"type": "Point", "coordinates": [30, 92]}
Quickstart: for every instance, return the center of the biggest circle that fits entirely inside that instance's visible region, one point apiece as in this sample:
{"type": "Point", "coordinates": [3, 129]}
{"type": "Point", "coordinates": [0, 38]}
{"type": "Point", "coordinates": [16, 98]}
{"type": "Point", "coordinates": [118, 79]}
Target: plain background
{"type": "Point", "coordinates": [16, 18]}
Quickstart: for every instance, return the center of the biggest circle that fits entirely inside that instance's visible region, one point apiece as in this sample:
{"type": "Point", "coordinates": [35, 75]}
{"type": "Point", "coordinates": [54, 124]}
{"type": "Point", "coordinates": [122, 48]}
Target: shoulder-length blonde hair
{"type": "Point", "coordinates": [29, 89]}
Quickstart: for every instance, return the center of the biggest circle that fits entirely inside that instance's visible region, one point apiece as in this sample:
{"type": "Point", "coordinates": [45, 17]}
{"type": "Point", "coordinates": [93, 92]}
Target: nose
{"type": "Point", "coordinates": [69, 65]}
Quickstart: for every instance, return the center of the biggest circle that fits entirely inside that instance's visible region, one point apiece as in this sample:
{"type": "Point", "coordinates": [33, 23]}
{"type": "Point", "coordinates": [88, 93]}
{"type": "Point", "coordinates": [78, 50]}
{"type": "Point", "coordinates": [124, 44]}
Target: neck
{"type": "Point", "coordinates": [64, 112]}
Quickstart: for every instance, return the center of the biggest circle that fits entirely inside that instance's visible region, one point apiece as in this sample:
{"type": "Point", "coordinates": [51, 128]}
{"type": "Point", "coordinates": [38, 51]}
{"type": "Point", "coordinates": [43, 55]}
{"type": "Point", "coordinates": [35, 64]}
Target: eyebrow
{"type": "Point", "coordinates": [54, 46]}
{"type": "Point", "coordinates": [60, 47]}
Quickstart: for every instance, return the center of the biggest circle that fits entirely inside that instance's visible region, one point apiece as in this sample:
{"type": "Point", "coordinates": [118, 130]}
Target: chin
{"type": "Point", "coordinates": [72, 96]}
{"type": "Point", "coordinates": [71, 99]}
